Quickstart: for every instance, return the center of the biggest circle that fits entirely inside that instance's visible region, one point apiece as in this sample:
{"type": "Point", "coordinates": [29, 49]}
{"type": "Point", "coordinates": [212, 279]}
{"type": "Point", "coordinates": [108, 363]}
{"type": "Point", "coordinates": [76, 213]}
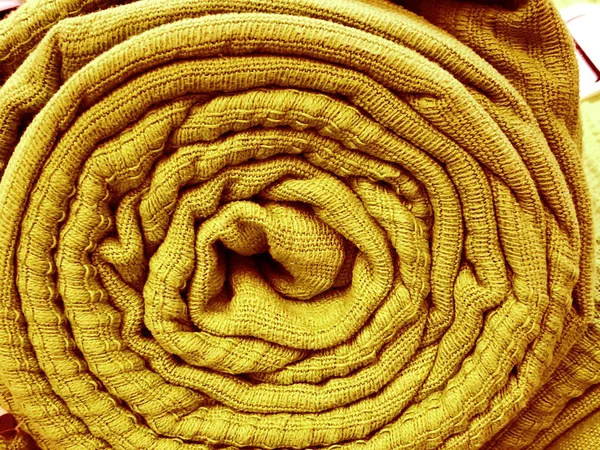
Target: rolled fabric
{"type": "Point", "coordinates": [269, 224]}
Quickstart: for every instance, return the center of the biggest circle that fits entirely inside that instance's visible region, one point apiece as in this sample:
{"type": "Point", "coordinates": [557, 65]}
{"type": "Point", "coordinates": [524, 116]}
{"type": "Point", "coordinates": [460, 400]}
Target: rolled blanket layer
{"type": "Point", "coordinates": [270, 224]}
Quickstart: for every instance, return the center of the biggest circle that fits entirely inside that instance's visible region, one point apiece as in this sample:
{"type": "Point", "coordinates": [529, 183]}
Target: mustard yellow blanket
{"type": "Point", "coordinates": [275, 224]}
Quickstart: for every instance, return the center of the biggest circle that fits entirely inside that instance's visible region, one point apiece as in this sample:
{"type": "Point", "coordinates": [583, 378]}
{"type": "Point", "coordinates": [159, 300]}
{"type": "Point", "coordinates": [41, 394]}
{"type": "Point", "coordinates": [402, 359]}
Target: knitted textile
{"type": "Point", "coordinates": [293, 224]}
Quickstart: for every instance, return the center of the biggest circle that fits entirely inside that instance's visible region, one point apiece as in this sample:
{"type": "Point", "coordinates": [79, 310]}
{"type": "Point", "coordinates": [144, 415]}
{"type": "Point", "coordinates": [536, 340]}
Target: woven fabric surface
{"type": "Point", "coordinates": [261, 224]}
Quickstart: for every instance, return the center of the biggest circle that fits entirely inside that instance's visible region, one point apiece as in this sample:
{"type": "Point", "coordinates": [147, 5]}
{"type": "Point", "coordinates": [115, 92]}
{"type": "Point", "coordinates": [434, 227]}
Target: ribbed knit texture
{"type": "Point", "coordinates": [577, 427]}
{"type": "Point", "coordinates": [351, 224]}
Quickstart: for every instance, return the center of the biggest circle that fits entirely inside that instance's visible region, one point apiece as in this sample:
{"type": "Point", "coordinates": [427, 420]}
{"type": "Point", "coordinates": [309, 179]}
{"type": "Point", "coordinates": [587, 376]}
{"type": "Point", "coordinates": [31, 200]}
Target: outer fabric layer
{"type": "Point", "coordinates": [272, 224]}
{"type": "Point", "coordinates": [577, 427]}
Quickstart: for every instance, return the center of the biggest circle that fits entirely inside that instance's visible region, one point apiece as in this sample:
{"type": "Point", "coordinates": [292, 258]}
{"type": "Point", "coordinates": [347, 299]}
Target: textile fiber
{"type": "Point", "coordinates": [308, 224]}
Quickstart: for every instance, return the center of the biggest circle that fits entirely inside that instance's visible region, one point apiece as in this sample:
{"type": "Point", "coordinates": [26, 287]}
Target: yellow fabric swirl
{"type": "Point", "coordinates": [352, 224]}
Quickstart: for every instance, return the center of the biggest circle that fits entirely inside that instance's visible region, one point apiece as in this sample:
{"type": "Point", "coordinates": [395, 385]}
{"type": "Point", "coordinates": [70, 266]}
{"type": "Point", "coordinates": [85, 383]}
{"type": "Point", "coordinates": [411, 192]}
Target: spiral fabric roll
{"type": "Point", "coordinates": [267, 224]}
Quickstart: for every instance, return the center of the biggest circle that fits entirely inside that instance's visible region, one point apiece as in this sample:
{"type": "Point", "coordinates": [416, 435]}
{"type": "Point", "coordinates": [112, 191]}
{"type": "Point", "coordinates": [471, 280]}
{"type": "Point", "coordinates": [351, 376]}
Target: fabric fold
{"type": "Point", "coordinates": [272, 224]}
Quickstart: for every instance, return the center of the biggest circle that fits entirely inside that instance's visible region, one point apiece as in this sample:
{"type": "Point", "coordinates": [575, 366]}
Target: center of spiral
{"type": "Point", "coordinates": [240, 297]}
{"type": "Point", "coordinates": [301, 267]}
